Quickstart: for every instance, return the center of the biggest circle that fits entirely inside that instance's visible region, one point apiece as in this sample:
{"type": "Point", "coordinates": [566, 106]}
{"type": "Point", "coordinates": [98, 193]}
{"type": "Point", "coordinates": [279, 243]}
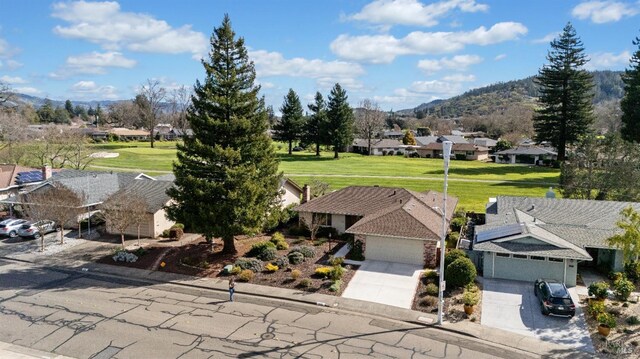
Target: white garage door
{"type": "Point", "coordinates": [527, 269]}
{"type": "Point", "coordinates": [394, 250]}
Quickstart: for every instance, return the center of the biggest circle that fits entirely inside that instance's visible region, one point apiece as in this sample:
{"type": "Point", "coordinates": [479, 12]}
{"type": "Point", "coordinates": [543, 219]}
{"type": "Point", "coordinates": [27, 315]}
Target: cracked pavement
{"type": "Point", "coordinates": [84, 315]}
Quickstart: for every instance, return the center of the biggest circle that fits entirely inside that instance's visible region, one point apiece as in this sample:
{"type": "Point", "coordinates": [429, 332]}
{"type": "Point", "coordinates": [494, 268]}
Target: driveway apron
{"type": "Point", "coordinates": [385, 283]}
{"type": "Point", "coordinates": [512, 306]}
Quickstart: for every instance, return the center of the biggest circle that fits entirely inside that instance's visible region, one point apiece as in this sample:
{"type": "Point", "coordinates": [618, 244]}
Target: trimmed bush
{"type": "Point", "coordinates": [429, 301]}
{"type": "Point", "coordinates": [271, 267]}
{"type": "Point", "coordinates": [178, 225]}
{"type": "Point", "coordinates": [599, 290]}
{"type": "Point", "coordinates": [607, 320]}
{"type": "Point", "coordinates": [249, 263]}
{"type": "Point", "coordinates": [295, 258]}
{"type": "Point", "coordinates": [306, 251]}
{"type": "Point", "coordinates": [268, 254]}
{"type": "Point", "coordinates": [632, 270]}
{"type": "Point", "coordinates": [470, 298]}
{"type": "Point", "coordinates": [236, 270]}
{"type": "Point", "coordinates": [323, 271]}
{"type": "Point", "coordinates": [295, 274]}
{"type": "Point", "coordinates": [336, 261]}
{"type": "Point", "coordinates": [457, 223]}
{"type": "Point", "coordinates": [282, 245]}
{"type": "Point", "coordinates": [623, 288]}
{"type": "Point", "coordinates": [432, 290]}
{"type": "Point", "coordinates": [335, 287]}
{"type": "Point", "coordinates": [282, 262]}
{"type": "Point", "coordinates": [305, 283]}
{"type": "Point", "coordinates": [259, 247]}
{"type": "Point", "coordinates": [246, 275]}
{"type": "Point", "coordinates": [337, 272]}
{"type": "Point", "coordinates": [460, 273]}
{"type": "Point", "coordinates": [452, 255]}
{"type": "Point", "coordinates": [324, 232]}
{"type": "Point", "coordinates": [176, 233]}
{"type": "Point", "coordinates": [277, 237]}
{"type": "Point", "coordinates": [595, 307]}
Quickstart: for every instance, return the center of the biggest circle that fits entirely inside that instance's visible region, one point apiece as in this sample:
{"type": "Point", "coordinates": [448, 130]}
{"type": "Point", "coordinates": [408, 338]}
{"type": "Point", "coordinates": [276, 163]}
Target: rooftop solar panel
{"type": "Point", "coordinates": [499, 232]}
{"type": "Point", "coordinates": [28, 177]}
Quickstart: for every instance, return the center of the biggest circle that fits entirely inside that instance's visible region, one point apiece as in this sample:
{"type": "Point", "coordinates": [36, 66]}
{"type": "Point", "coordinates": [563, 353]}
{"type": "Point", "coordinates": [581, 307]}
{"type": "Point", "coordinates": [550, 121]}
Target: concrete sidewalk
{"type": "Point", "coordinates": [78, 262]}
{"type": "Point", "coordinates": [12, 351]}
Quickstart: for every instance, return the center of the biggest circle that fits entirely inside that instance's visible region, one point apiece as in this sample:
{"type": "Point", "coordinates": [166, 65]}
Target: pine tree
{"type": "Point", "coordinates": [566, 94]}
{"type": "Point", "coordinates": [69, 107]}
{"type": "Point", "coordinates": [315, 126]}
{"type": "Point", "coordinates": [226, 174]}
{"type": "Point", "coordinates": [339, 120]}
{"type": "Point", "coordinates": [289, 128]}
{"type": "Point", "coordinates": [630, 104]}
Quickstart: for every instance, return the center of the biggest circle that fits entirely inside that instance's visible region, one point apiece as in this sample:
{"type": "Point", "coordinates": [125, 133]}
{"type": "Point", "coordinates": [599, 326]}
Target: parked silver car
{"type": "Point", "coordinates": [9, 227]}
{"type": "Point", "coordinates": [32, 230]}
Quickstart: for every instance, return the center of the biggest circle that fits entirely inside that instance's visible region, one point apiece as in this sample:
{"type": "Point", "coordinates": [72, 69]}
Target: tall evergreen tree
{"type": "Point", "coordinates": [630, 103]}
{"type": "Point", "coordinates": [339, 120]}
{"type": "Point", "coordinates": [69, 107]}
{"type": "Point", "coordinates": [226, 174]}
{"type": "Point", "coordinates": [316, 124]}
{"type": "Point", "coordinates": [566, 94]}
{"type": "Point", "coordinates": [289, 128]}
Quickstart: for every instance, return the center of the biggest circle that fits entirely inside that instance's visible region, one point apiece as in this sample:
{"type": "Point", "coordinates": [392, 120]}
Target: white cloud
{"type": "Point", "coordinates": [7, 52]}
{"type": "Point", "coordinates": [601, 12]}
{"type": "Point", "coordinates": [325, 72]}
{"type": "Point", "coordinates": [412, 12]}
{"type": "Point", "coordinates": [608, 61]}
{"type": "Point", "coordinates": [385, 48]}
{"type": "Point", "coordinates": [459, 78]}
{"type": "Point", "coordinates": [27, 90]}
{"type": "Point", "coordinates": [423, 91]}
{"type": "Point", "coordinates": [13, 79]}
{"type": "Point", "coordinates": [89, 89]}
{"type": "Point", "coordinates": [458, 62]}
{"type": "Point", "coordinates": [105, 24]}
{"type": "Point", "coordinates": [93, 63]}
{"type": "Point", "coordinates": [546, 38]}
{"type": "Point", "coordinates": [267, 85]}
{"type": "Point", "coordinates": [500, 57]}
{"type": "Point", "coordinates": [11, 64]}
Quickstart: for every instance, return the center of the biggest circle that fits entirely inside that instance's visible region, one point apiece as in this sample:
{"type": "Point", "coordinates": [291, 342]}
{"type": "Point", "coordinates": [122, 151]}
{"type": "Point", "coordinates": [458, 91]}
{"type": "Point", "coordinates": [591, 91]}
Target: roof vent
{"type": "Point", "coordinates": [394, 192]}
{"type": "Point", "coordinates": [533, 206]}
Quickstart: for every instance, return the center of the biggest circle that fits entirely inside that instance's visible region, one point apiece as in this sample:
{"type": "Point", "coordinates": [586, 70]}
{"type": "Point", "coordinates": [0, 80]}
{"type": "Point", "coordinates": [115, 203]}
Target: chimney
{"type": "Point", "coordinates": [306, 193]}
{"type": "Point", "coordinates": [46, 172]}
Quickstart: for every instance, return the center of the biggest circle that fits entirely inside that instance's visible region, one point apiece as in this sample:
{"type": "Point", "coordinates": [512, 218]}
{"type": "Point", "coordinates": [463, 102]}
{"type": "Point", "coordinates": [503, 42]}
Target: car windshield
{"type": "Point", "coordinates": [3, 225]}
{"type": "Point", "coordinates": [25, 226]}
{"type": "Point", "coordinates": [558, 290]}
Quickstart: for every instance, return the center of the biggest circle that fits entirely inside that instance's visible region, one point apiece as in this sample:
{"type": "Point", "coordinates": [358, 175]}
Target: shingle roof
{"type": "Point", "coordinates": [456, 147]}
{"type": "Point", "coordinates": [97, 186]}
{"type": "Point", "coordinates": [453, 138]}
{"type": "Point", "coordinates": [544, 250]}
{"type": "Point", "coordinates": [153, 192]}
{"type": "Point", "coordinates": [425, 140]}
{"type": "Point", "coordinates": [377, 143]}
{"type": "Point", "coordinates": [527, 150]}
{"type": "Point", "coordinates": [9, 172]}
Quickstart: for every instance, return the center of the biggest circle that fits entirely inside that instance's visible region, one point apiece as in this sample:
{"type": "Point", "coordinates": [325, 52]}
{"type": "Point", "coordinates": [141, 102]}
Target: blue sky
{"type": "Point", "coordinates": [399, 53]}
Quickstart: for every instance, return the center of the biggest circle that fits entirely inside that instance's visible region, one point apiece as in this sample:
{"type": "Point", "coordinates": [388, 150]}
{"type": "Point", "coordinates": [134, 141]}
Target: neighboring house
{"type": "Point", "coordinates": [290, 192]}
{"type": "Point", "coordinates": [176, 133]}
{"type": "Point", "coordinates": [485, 142]}
{"type": "Point", "coordinates": [392, 134]}
{"type": "Point", "coordinates": [453, 138]}
{"type": "Point", "coordinates": [394, 224]}
{"type": "Point", "coordinates": [461, 151]}
{"type": "Point", "coordinates": [425, 140]}
{"type": "Point", "coordinates": [162, 130]}
{"type": "Point", "coordinates": [14, 178]}
{"type": "Point", "coordinates": [378, 146]}
{"type": "Point", "coordinates": [130, 135]}
{"type": "Point", "coordinates": [527, 238]}
{"type": "Point", "coordinates": [526, 155]}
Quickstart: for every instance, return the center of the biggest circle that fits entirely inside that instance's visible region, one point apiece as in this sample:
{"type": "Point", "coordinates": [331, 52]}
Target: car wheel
{"type": "Point", "coordinates": [36, 236]}
{"type": "Point", "coordinates": [544, 310]}
{"type": "Point", "coordinates": [13, 234]}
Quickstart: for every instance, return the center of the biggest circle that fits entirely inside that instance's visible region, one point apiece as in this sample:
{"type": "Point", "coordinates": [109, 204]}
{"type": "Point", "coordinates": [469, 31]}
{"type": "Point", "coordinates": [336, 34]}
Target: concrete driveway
{"type": "Point", "coordinates": [512, 306]}
{"type": "Point", "coordinates": [385, 283]}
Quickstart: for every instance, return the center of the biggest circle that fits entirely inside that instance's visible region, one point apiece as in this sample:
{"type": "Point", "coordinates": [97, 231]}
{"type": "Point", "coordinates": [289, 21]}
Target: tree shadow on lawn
{"type": "Point", "coordinates": [311, 157]}
{"type": "Point", "coordinates": [503, 170]}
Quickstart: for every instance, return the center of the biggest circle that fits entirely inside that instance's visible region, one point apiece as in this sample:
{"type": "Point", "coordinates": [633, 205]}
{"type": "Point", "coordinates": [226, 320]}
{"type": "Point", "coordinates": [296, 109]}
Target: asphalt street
{"type": "Point", "coordinates": [83, 315]}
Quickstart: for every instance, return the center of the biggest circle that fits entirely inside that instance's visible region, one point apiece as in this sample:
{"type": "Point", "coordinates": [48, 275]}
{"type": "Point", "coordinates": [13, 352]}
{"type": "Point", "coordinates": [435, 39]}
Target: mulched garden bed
{"type": "Point", "coordinates": [453, 306]}
{"type": "Point", "coordinates": [198, 259]}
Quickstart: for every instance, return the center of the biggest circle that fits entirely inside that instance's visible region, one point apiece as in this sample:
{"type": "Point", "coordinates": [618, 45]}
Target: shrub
{"type": "Point", "coordinates": [282, 245]}
{"type": "Point", "coordinates": [268, 254]}
{"type": "Point", "coordinates": [295, 274]}
{"type": "Point", "coordinates": [356, 253]}
{"type": "Point", "coordinates": [452, 255]}
{"type": "Point", "coordinates": [595, 307]}
{"type": "Point", "coordinates": [323, 271]}
{"type": "Point", "coordinates": [460, 273]}
{"type": "Point", "coordinates": [607, 319]}
{"type": "Point", "coordinates": [246, 275]}
{"type": "Point", "coordinates": [623, 287]}
{"type": "Point", "coordinates": [336, 261]}
{"type": "Point", "coordinates": [432, 290]}
{"type": "Point", "coordinates": [271, 267]}
{"type": "Point", "coordinates": [632, 270]}
{"type": "Point", "coordinates": [384, 152]}
{"type": "Point", "coordinates": [176, 233]}
{"type": "Point", "coordinates": [472, 288]}
{"type": "Point", "coordinates": [236, 270]}
{"type": "Point", "coordinates": [457, 223]}
{"type": "Point", "coordinates": [124, 256]}
{"type": "Point", "coordinates": [320, 241]}
{"type": "Point", "coordinates": [165, 234]}
{"type": "Point", "coordinates": [249, 263]}
{"type": "Point", "coordinates": [633, 320]}
{"type": "Point", "coordinates": [282, 262]}
{"type": "Point", "coordinates": [470, 298]}
{"type": "Point", "coordinates": [295, 258]}
{"type": "Point", "coordinates": [178, 225]}
{"type": "Point", "coordinates": [599, 289]}
{"type": "Point", "coordinates": [298, 230]}
{"type": "Point", "coordinates": [324, 232]}
{"type": "Point", "coordinates": [390, 153]}
{"type": "Point", "coordinates": [335, 287]}
{"type": "Point", "coordinates": [336, 273]}
{"type": "Point", "coordinates": [259, 247]}
{"type": "Point", "coordinates": [429, 301]}
{"type": "Point", "coordinates": [277, 237]}
{"type": "Point", "coordinates": [305, 283]}
{"type": "Point", "coordinates": [306, 251]}
{"type": "Point", "coordinates": [430, 275]}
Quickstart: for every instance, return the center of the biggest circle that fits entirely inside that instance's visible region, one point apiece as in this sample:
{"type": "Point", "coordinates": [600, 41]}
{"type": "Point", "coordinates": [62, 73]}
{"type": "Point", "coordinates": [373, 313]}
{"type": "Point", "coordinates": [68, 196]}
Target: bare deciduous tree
{"type": "Point", "coordinates": [78, 153]}
{"type": "Point", "coordinates": [180, 101]}
{"type": "Point", "coordinates": [124, 114]}
{"type": "Point", "coordinates": [149, 99]}
{"type": "Point", "coordinates": [6, 95]}
{"type": "Point", "coordinates": [123, 210]}
{"type": "Point", "coordinates": [14, 132]}
{"type": "Point", "coordinates": [369, 121]}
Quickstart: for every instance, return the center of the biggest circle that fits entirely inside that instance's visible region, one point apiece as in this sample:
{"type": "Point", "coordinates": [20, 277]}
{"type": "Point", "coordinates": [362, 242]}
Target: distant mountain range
{"type": "Point", "coordinates": [39, 101]}
{"type": "Point", "coordinates": [500, 96]}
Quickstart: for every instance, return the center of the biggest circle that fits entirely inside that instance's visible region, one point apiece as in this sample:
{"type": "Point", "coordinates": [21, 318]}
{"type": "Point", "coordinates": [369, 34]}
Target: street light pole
{"type": "Point", "coordinates": [446, 155]}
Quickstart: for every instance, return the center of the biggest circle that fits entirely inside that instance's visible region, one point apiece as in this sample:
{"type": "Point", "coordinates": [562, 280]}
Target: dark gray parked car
{"type": "Point", "coordinates": [9, 227]}
{"type": "Point", "coordinates": [554, 298]}
{"type": "Point", "coordinates": [32, 230]}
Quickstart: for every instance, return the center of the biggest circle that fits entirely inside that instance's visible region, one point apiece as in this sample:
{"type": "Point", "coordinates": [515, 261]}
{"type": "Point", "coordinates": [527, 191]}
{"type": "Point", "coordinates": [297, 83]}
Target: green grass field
{"type": "Point", "coordinates": [471, 181]}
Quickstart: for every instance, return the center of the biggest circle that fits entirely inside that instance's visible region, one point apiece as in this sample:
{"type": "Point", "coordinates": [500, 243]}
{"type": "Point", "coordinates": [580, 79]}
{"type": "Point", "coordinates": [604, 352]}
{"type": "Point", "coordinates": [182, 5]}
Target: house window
{"type": "Point", "coordinates": [470, 153]}
{"type": "Point", "coordinates": [556, 259]}
{"type": "Point", "coordinates": [520, 256]}
{"type": "Point", "coordinates": [323, 219]}
{"type": "Point", "coordinates": [503, 255]}
{"type": "Point", "coordinates": [536, 258]}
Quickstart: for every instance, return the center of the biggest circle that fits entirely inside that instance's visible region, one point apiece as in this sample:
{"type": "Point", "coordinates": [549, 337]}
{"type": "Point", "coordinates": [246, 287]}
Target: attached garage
{"type": "Point", "coordinates": [529, 268]}
{"type": "Point", "coordinates": [390, 249]}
